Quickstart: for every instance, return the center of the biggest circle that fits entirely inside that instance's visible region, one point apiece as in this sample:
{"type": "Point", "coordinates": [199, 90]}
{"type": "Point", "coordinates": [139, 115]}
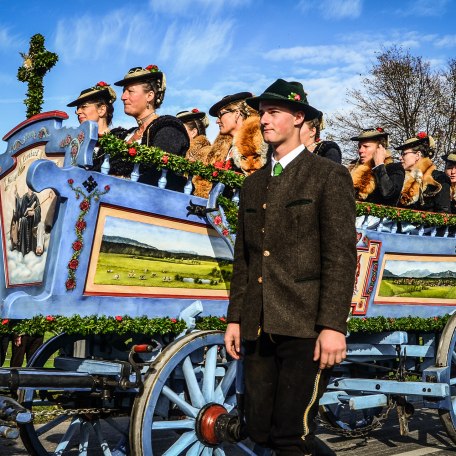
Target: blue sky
{"type": "Point", "coordinates": [211, 48]}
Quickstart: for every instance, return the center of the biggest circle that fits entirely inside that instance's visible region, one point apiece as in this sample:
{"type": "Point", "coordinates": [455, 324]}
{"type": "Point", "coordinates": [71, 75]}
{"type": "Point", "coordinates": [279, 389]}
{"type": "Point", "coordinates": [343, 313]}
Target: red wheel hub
{"type": "Point", "coordinates": [205, 423]}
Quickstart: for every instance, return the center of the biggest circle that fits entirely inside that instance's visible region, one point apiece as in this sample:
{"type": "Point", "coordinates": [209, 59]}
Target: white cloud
{"type": "Point", "coordinates": [192, 48]}
{"type": "Point", "coordinates": [91, 37]}
{"type": "Point", "coordinates": [7, 39]}
{"type": "Point", "coordinates": [333, 9]}
{"type": "Point", "coordinates": [425, 8]}
{"type": "Point", "coordinates": [194, 7]}
{"type": "Point", "coordinates": [446, 41]}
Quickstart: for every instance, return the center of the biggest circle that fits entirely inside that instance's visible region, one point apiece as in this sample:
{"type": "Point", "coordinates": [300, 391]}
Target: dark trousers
{"type": "Point", "coordinates": [282, 388]}
{"type": "Point", "coordinates": [29, 345]}
{"type": "Point", "coordinates": [4, 348]}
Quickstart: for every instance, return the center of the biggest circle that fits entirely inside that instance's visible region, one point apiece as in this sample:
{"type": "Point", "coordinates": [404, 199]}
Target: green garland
{"type": "Point", "coordinates": [36, 64]}
{"type": "Point", "coordinates": [123, 324]}
{"type": "Point", "coordinates": [117, 148]}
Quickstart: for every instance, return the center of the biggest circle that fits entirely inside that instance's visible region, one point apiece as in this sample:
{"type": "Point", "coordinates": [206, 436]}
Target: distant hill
{"type": "Point", "coordinates": [127, 241]}
{"type": "Point", "coordinates": [442, 275]}
{"type": "Point", "coordinates": [388, 274]}
{"type": "Point", "coordinates": [416, 273]}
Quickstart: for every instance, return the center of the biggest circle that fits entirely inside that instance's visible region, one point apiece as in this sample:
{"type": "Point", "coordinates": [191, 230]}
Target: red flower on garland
{"type": "Point", "coordinates": [85, 205]}
{"type": "Point", "coordinates": [101, 84]}
{"type": "Point", "coordinates": [70, 284]}
{"type": "Point", "coordinates": [165, 159]}
{"type": "Point", "coordinates": [71, 181]}
{"type": "Point", "coordinates": [219, 165]}
{"type": "Point", "coordinates": [195, 110]}
{"type": "Point", "coordinates": [173, 320]}
{"type": "Point", "coordinates": [77, 245]}
{"type": "Point", "coordinates": [225, 232]}
{"type": "Point", "coordinates": [223, 319]}
{"type": "Point", "coordinates": [132, 152]}
{"type": "Point", "coordinates": [50, 318]}
{"type": "Point", "coordinates": [218, 220]}
{"type": "Point", "coordinates": [73, 264]}
{"type": "Point", "coordinates": [107, 188]}
{"type": "Point", "coordinates": [215, 174]}
{"type": "Point", "coordinates": [423, 215]}
{"type": "Point", "coordinates": [119, 318]}
{"type": "Point", "coordinates": [5, 322]}
{"type": "Point", "coordinates": [81, 225]}
{"type": "Point", "coordinates": [421, 135]}
{"type": "Point", "coordinates": [152, 68]}
{"type": "Point", "coordinates": [368, 208]}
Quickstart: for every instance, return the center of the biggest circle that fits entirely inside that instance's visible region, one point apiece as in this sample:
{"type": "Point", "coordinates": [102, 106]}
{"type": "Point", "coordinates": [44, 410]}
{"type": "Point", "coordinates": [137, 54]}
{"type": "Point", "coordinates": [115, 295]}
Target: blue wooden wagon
{"type": "Point", "coordinates": [125, 273]}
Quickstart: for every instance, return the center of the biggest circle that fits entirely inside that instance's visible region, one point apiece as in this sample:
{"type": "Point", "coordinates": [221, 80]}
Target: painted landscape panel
{"type": "Point", "coordinates": [156, 256]}
{"type": "Point", "coordinates": [426, 279]}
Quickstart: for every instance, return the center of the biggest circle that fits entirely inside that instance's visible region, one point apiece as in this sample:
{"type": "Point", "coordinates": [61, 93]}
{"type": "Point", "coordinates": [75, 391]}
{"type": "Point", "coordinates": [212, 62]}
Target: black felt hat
{"type": "Point", "coordinates": [420, 138]}
{"type": "Point", "coordinates": [228, 99]}
{"type": "Point", "coordinates": [451, 157]}
{"type": "Point", "coordinates": [138, 74]}
{"type": "Point", "coordinates": [289, 93]}
{"type": "Point", "coordinates": [194, 114]}
{"type": "Point", "coordinates": [99, 90]}
{"type": "Point", "coordinates": [371, 133]}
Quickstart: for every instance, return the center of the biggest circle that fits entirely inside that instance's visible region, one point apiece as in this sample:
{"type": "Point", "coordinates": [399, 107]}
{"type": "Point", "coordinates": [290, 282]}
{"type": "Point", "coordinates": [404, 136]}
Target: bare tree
{"type": "Point", "coordinates": [403, 95]}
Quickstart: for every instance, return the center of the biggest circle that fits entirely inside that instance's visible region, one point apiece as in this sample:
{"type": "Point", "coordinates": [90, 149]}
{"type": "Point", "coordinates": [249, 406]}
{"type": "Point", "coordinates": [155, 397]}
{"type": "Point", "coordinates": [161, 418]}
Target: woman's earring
{"type": "Point", "coordinates": [147, 105]}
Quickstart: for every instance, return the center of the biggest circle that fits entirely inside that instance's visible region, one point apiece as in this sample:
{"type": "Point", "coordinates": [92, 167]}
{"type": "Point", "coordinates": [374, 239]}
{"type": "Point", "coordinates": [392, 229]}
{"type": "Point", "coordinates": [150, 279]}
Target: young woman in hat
{"type": "Point", "coordinates": [450, 171]}
{"type": "Point", "coordinates": [196, 122]}
{"type": "Point", "coordinates": [310, 137]}
{"type": "Point", "coordinates": [143, 93]}
{"type": "Point", "coordinates": [425, 188]}
{"type": "Point", "coordinates": [96, 104]}
{"type": "Point", "coordinates": [375, 177]}
{"type": "Point", "coordinates": [240, 141]}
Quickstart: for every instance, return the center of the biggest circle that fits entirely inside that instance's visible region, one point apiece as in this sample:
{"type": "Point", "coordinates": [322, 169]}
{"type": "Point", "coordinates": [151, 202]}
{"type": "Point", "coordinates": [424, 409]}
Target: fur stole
{"type": "Point", "coordinates": [363, 177]}
{"type": "Point", "coordinates": [196, 150]}
{"type": "Point", "coordinates": [219, 149]}
{"type": "Point", "coordinates": [249, 152]}
{"type": "Point", "coordinates": [418, 182]}
{"type": "Point", "coordinates": [453, 192]}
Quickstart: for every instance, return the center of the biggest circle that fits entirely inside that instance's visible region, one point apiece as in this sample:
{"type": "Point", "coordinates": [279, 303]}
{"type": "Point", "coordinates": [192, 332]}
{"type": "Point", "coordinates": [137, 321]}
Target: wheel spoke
{"type": "Point", "coordinates": [50, 425]}
{"type": "Point", "coordinates": [101, 440]}
{"type": "Point", "coordinates": [195, 449]}
{"type": "Point", "coordinates": [219, 451]}
{"type": "Point", "coordinates": [65, 440]}
{"type": "Point", "coordinates": [196, 397]}
{"type": "Point", "coordinates": [176, 424]}
{"type": "Point", "coordinates": [245, 448]}
{"type": "Point", "coordinates": [180, 445]}
{"type": "Point", "coordinates": [207, 451]}
{"type": "Point", "coordinates": [209, 373]}
{"type": "Point", "coordinates": [225, 384]}
{"type": "Point", "coordinates": [183, 405]}
{"type": "Point", "coordinates": [83, 438]}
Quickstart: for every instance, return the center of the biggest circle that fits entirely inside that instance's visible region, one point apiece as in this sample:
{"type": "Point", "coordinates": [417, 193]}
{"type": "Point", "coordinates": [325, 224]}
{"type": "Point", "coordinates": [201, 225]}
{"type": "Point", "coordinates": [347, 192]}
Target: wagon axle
{"type": "Point", "coordinates": [215, 425]}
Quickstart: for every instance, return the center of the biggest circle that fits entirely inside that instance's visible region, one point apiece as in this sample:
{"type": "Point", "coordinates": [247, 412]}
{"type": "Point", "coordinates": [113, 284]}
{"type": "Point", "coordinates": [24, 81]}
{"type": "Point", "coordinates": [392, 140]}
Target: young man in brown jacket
{"type": "Point", "coordinates": [294, 269]}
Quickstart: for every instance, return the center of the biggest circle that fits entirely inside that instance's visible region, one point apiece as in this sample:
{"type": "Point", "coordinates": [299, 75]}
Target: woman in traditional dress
{"type": "Point", "coordinates": [450, 171]}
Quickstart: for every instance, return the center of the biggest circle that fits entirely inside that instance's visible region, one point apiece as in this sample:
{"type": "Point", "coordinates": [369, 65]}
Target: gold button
{"type": "Point", "coordinates": [264, 206]}
{"type": "Point", "coordinates": [266, 253]}
{"type": "Point", "coordinates": [260, 279]}
{"type": "Point", "coordinates": [262, 230]}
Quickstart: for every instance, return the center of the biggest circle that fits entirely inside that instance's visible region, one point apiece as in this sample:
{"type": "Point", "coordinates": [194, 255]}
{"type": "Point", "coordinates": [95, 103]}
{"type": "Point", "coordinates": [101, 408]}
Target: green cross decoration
{"type": "Point", "coordinates": [36, 64]}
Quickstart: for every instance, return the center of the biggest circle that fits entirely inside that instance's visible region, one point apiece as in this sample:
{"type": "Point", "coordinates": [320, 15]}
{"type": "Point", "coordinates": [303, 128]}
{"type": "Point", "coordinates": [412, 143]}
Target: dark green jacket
{"type": "Point", "coordinates": [295, 252]}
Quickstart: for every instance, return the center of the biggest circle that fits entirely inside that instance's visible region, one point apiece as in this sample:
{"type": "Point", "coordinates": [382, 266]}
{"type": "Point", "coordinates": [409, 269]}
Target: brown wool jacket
{"type": "Point", "coordinates": [295, 252]}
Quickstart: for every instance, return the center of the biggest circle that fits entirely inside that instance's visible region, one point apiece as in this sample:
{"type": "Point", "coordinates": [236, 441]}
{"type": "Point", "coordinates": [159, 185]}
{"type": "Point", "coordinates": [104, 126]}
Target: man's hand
{"type": "Point", "coordinates": [330, 348]}
{"type": "Point", "coordinates": [379, 155]}
{"type": "Point", "coordinates": [233, 340]}
{"type": "Point", "coordinates": [17, 341]}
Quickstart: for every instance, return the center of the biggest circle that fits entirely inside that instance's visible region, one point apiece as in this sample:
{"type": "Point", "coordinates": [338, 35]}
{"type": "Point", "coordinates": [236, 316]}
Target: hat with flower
{"type": "Point", "coordinates": [450, 157]}
{"type": "Point", "coordinates": [194, 114]}
{"type": "Point", "coordinates": [421, 138]}
{"type": "Point", "coordinates": [291, 94]}
{"type": "Point", "coordinates": [139, 74]}
{"type": "Point", "coordinates": [371, 133]}
{"type": "Point", "coordinates": [101, 90]}
{"type": "Point", "coordinates": [227, 100]}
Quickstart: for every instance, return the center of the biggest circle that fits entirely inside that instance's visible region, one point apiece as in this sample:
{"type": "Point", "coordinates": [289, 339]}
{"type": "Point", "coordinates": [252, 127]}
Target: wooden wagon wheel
{"type": "Point", "coordinates": [190, 384]}
{"type": "Point", "coordinates": [446, 356]}
{"type": "Point", "coordinates": [85, 432]}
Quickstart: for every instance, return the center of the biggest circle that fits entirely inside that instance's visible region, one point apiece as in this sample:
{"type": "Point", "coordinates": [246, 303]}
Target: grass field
{"type": "Point", "coordinates": [389, 289]}
{"type": "Point", "coordinates": [151, 272]}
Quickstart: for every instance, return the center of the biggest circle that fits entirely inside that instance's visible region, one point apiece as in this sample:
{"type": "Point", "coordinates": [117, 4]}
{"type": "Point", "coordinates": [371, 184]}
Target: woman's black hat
{"type": "Point", "coordinates": [289, 93]}
{"type": "Point", "coordinates": [420, 138]}
{"type": "Point", "coordinates": [371, 133]}
{"type": "Point", "coordinates": [138, 74]}
{"type": "Point", "coordinates": [228, 99]}
{"type": "Point", "coordinates": [100, 90]}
